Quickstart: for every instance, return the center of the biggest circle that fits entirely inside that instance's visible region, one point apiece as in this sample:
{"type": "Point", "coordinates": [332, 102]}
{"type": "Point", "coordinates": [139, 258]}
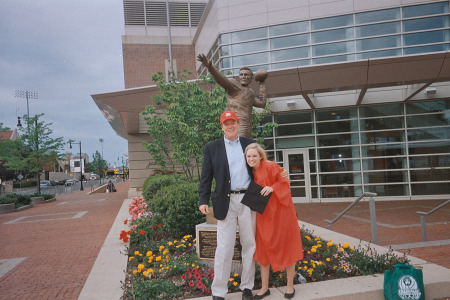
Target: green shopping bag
{"type": "Point", "coordinates": [404, 282]}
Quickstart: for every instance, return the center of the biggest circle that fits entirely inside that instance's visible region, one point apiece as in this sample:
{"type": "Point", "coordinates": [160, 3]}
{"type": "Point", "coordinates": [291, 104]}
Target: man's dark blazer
{"type": "Point", "coordinates": [215, 165]}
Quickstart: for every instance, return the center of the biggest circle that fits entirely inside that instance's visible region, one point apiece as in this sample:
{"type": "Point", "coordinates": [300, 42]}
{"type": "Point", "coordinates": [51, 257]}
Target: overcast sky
{"type": "Point", "coordinates": [65, 50]}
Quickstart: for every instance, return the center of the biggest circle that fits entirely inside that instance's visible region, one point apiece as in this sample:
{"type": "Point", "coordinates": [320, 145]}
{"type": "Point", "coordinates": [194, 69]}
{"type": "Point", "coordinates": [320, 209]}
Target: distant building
{"type": "Point", "coordinates": [360, 88]}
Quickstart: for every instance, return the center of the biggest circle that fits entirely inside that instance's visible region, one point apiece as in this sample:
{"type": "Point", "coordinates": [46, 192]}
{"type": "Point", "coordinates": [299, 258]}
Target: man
{"type": "Point", "coordinates": [240, 98]}
{"type": "Point", "coordinates": [223, 160]}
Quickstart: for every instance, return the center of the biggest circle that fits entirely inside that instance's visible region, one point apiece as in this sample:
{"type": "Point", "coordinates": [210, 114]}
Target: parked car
{"type": "Point", "coordinates": [70, 182]}
{"type": "Point", "coordinates": [45, 183]}
{"type": "Point", "coordinates": [62, 182]}
{"type": "Point", "coordinates": [53, 182]}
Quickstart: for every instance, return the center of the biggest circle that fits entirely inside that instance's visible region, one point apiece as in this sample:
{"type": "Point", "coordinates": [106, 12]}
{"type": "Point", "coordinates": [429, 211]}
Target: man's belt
{"type": "Point", "coordinates": [238, 192]}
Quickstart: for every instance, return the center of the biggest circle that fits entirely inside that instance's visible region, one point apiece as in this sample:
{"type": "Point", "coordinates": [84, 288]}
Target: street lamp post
{"type": "Point", "coordinates": [81, 165]}
{"type": "Point", "coordinates": [27, 95]}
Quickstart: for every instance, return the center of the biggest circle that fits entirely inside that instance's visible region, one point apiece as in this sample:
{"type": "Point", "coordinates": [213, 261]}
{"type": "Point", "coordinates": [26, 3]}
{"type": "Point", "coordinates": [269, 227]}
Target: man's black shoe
{"type": "Point", "coordinates": [218, 298]}
{"type": "Point", "coordinates": [247, 294]}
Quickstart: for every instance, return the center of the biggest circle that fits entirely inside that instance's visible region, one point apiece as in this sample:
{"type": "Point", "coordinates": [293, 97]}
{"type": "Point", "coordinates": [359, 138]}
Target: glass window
{"type": "Point", "coordinates": [378, 29]}
{"type": "Point", "coordinates": [430, 175]}
{"type": "Point", "coordinates": [339, 126]}
{"type": "Point", "coordinates": [252, 34]}
{"type": "Point", "coordinates": [225, 63]}
{"type": "Point", "coordinates": [289, 41]}
{"type": "Point", "coordinates": [333, 59]}
{"type": "Point", "coordinates": [338, 139]}
{"type": "Point", "coordinates": [251, 59]}
{"type": "Point", "coordinates": [225, 50]}
{"type": "Point", "coordinates": [376, 150]}
{"type": "Point", "coordinates": [430, 188]}
{"type": "Point", "coordinates": [338, 165]}
{"type": "Point", "coordinates": [379, 137]}
{"type": "Point", "coordinates": [296, 117]}
{"type": "Point", "coordinates": [289, 28]}
{"type": "Point", "coordinates": [382, 123]}
{"type": "Point", "coordinates": [332, 22]}
{"type": "Point", "coordinates": [428, 107]}
{"type": "Point", "coordinates": [336, 114]}
{"type": "Point", "coordinates": [377, 16]}
{"type": "Point", "coordinates": [378, 43]}
{"type": "Point", "coordinates": [429, 147]}
{"type": "Point", "coordinates": [224, 38]}
{"type": "Point", "coordinates": [426, 49]}
{"type": "Point", "coordinates": [426, 9]}
{"type": "Point", "coordinates": [426, 23]}
{"type": "Point", "coordinates": [338, 152]}
{"type": "Point", "coordinates": [250, 47]}
{"type": "Point", "coordinates": [428, 37]}
{"type": "Point", "coordinates": [429, 161]}
{"type": "Point", "coordinates": [332, 35]}
{"type": "Point", "coordinates": [385, 176]}
{"type": "Point", "coordinates": [428, 120]}
{"type": "Point", "coordinates": [382, 53]}
{"type": "Point", "coordinates": [290, 64]}
{"type": "Point", "coordinates": [333, 48]}
{"type": "Point", "coordinates": [388, 189]}
{"type": "Point", "coordinates": [381, 110]}
{"type": "Point", "coordinates": [295, 142]}
{"type": "Point", "coordinates": [284, 130]}
{"type": "Point", "coordinates": [341, 178]}
{"type": "Point", "coordinates": [440, 133]}
{"type": "Point", "coordinates": [384, 163]}
{"type": "Point", "coordinates": [293, 53]}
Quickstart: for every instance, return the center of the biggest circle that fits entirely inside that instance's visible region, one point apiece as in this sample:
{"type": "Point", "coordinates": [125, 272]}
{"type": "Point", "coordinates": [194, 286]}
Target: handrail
{"type": "Point", "coordinates": [373, 218]}
{"type": "Point", "coordinates": [423, 224]}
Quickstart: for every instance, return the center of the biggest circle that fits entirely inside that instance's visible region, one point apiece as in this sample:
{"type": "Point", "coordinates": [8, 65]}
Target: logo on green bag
{"type": "Point", "coordinates": [408, 288]}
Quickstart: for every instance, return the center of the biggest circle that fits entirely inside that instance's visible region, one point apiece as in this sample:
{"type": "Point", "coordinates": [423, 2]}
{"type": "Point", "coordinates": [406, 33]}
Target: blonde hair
{"type": "Point", "coordinates": [258, 148]}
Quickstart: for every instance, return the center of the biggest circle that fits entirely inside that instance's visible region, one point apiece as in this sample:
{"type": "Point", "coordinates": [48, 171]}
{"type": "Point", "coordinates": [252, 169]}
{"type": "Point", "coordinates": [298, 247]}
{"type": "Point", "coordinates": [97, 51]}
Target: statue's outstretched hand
{"type": "Point", "coordinates": [205, 61]}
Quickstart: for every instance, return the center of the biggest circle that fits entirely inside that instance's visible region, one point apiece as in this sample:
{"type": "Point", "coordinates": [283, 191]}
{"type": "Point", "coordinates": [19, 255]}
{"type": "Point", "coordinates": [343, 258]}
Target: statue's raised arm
{"type": "Point", "coordinates": [240, 97]}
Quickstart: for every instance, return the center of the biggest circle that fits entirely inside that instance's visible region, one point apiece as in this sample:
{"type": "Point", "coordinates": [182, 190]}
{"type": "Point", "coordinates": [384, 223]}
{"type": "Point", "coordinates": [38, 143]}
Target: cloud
{"type": "Point", "coordinates": [65, 51]}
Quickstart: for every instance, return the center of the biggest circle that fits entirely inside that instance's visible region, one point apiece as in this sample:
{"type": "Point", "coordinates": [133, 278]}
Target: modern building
{"type": "Point", "coordinates": [360, 89]}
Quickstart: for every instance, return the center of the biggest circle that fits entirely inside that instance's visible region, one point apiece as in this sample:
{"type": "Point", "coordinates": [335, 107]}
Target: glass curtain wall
{"type": "Point", "coordinates": [382, 33]}
{"type": "Point", "coordinates": [390, 149]}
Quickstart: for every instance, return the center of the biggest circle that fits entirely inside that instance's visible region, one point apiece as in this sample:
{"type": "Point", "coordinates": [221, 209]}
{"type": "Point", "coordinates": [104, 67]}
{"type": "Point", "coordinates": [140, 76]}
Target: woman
{"type": "Point", "coordinates": [278, 241]}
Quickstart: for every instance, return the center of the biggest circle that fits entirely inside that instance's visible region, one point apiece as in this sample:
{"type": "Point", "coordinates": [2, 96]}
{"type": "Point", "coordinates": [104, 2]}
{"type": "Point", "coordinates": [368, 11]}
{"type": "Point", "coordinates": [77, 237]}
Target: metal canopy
{"type": "Point", "coordinates": [418, 72]}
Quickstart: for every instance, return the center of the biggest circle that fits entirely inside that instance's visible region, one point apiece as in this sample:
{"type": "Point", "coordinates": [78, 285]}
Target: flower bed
{"type": "Point", "coordinates": [163, 267]}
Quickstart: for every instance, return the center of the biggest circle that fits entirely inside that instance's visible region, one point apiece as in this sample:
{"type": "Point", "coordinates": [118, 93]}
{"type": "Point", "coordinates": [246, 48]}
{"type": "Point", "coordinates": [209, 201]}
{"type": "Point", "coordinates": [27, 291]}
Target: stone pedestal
{"type": "Point", "coordinates": [206, 243]}
{"type": "Point", "coordinates": [7, 208]}
{"type": "Point", "coordinates": [37, 200]}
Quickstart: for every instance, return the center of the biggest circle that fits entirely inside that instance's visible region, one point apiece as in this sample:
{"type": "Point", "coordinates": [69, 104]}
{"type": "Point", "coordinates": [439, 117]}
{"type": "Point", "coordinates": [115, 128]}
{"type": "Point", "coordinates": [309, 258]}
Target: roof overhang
{"type": "Point", "coordinates": [122, 108]}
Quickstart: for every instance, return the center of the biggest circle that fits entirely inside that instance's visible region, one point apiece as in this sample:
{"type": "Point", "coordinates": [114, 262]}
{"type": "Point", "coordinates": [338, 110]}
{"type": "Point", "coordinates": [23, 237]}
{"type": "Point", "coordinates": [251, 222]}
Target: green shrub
{"type": "Point", "coordinates": [24, 184]}
{"type": "Point", "coordinates": [154, 183]}
{"type": "Point", "coordinates": [178, 204]}
{"type": "Point", "coordinates": [18, 199]}
{"type": "Point", "coordinates": [8, 198]}
{"type": "Point", "coordinates": [153, 289]}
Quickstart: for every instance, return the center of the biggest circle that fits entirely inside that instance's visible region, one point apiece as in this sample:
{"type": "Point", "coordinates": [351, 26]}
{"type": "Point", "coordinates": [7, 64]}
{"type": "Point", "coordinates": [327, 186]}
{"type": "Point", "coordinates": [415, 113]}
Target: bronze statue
{"type": "Point", "coordinates": [240, 97]}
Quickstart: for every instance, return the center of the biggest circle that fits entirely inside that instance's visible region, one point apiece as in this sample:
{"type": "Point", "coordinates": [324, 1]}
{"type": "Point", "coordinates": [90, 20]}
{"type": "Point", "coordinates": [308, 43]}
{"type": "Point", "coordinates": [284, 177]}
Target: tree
{"type": "Point", "coordinates": [190, 119]}
{"type": "Point", "coordinates": [98, 165]}
{"type": "Point", "coordinates": [4, 128]}
{"type": "Point", "coordinates": [34, 149]}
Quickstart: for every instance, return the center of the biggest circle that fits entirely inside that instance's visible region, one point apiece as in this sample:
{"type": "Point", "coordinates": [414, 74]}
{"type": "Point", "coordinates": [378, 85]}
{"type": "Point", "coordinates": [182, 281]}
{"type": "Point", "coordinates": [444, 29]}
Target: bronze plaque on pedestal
{"type": "Point", "coordinates": [207, 244]}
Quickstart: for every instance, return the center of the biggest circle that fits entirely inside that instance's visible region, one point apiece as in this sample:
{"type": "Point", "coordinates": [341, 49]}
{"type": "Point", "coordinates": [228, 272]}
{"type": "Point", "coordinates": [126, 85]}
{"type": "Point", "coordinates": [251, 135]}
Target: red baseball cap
{"type": "Point", "coordinates": [228, 115]}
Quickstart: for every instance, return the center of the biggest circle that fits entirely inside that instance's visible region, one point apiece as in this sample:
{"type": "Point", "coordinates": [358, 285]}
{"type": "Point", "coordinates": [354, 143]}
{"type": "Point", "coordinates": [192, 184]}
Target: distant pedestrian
{"type": "Point", "coordinates": [110, 187]}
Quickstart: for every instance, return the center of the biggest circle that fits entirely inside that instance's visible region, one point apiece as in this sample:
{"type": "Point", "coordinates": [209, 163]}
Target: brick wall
{"type": "Point", "coordinates": [141, 61]}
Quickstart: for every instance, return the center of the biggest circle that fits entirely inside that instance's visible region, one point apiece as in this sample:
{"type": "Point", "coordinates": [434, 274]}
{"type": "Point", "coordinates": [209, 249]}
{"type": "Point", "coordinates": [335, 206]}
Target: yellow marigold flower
{"type": "Point", "coordinates": [235, 274]}
{"type": "Point", "coordinates": [134, 272]}
{"type": "Point", "coordinates": [130, 258]}
{"type": "Point", "coordinates": [160, 266]}
{"type": "Point", "coordinates": [346, 245]}
{"type": "Point", "coordinates": [327, 259]}
{"type": "Point", "coordinates": [158, 258]}
{"type": "Point", "coordinates": [150, 260]}
{"type": "Point", "coordinates": [352, 249]}
{"type": "Point", "coordinates": [190, 244]}
{"type": "Point", "coordinates": [329, 244]}
{"type": "Point", "coordinates": [193, 265]}
{"type": "Point", "coordinates": [144, 273]}
{"type": "Point", "coordinates": [150, 271]}
{"type": "Point", "coordinates": [165, 252]}
{"type": "Point", "coordinates": [313, 250]}
{"type": "Point", "coordinates": [194, 240]}
{"type": "Point", "coordinates": [175, 241]}
{"type": "Point", "coordinates": [309, 252]}
{"type": "Point", "coordinates": [149, 253]}
{"type": "Point", "coordinates": [140, 266]}
{"type": "Point", "coordinates": [317, 239]}
{"type": "Point", "coordinates": [235, 283]}
{"type": "Point", "coordinates": [307, 237]}
{"type": "Point", "coordinates": [231, 279]}
{"type": "Point", "coordinates": [305, 262]}
{"type": "Point", "coordinates": [161, 247]}
{"type": "Point", "coordinates": [170, 244]}
{"type": "Point", "coordinates": [136, 253]}
{"type": "Point", "coordinates": [320, 263]}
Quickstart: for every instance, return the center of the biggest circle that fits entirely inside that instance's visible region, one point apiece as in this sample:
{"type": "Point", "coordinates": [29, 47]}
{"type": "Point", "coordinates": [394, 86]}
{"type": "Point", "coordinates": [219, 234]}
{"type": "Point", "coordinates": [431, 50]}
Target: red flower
{"type": "Point", "coordinates": [191, 283]}
{"type": "Point", "coordinates": [183, 277]}
{"type": "Point", "coordinates": [125, 222]}
{"type": "Point", "coordinates": [142, 232]}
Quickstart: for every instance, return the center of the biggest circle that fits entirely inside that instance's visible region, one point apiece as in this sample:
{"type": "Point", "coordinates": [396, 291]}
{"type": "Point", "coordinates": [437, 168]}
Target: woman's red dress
{"type": "Point", "coordinates": [278, 240]}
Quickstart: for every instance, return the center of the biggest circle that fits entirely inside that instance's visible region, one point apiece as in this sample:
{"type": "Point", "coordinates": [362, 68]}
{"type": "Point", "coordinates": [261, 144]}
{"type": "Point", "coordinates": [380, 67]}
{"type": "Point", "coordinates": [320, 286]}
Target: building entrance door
{"type": "Point", "coordinates": [296, 162]}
